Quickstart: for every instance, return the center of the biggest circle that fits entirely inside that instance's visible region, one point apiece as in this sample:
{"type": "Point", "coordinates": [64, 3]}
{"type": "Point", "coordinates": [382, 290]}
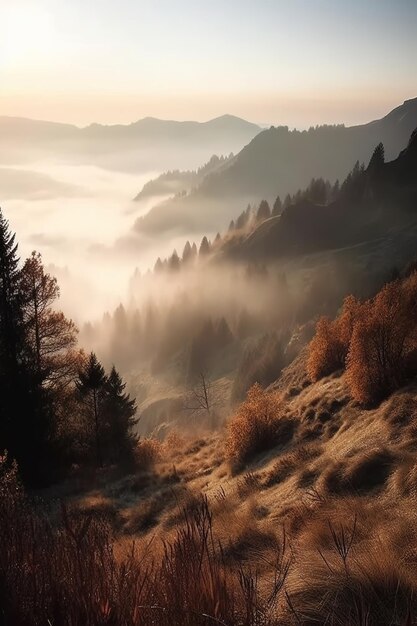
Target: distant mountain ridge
{"type": "Point", "coordinates": [26, 129]}
{"type": "Point", "coordinates": [280, 161]}
{"type": "Point", "coordinates": [149, 144]}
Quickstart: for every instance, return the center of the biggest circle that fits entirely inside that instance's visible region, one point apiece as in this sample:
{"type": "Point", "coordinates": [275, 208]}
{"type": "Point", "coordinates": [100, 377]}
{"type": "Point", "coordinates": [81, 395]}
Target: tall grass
{"type": "Point", "coordinates": [64, 569]}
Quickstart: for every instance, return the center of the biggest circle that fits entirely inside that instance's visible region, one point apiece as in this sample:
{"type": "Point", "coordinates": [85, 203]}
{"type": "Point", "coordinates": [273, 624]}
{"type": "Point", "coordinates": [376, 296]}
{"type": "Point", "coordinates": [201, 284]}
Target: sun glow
{"type": "Point", "coordinates": [27, 35]}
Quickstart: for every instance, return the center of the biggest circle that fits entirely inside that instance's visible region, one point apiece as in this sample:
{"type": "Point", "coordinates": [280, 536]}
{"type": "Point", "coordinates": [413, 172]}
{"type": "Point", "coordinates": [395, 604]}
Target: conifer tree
{"type": "Point", "coordinates": [119, 411]}
{"type": "Point", "coordinates": [174, 262]}
{"type": "Point", "coordinates": [204, 247]}
{"type": "Point", "coordinates": [187, 253]}
{"type": "Point", "coordinates": [264, 212]}
{"type": "Point", "coordinates": [24, 411]}
{"type": "Point", "coordinates": [91, 384]}
{"type": "Point", "coordinates": [158, 267]}
{"type": "Point", "coordinates": [377, 159]}
{"type": "Point", "coordinates": [277, 208]}
{"type": "Point", "coordinates": [287, 201]}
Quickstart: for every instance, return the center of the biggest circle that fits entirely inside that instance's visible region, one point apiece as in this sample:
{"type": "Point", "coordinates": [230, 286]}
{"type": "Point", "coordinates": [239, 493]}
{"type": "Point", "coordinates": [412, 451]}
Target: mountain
{"type": "Point", "coordinates": [280, 161]}
{"type": "Point", "coordinates": [179, 182]}
{"type": "Point", "coordinates": [373, 204]}
{"type": "Point", "coordinates": [147, 144]}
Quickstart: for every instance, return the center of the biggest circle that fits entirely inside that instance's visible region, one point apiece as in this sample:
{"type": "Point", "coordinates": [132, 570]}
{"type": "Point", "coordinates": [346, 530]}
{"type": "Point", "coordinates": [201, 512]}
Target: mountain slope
{"type": "Point", "coordinates": [279, 161]}
{"type": "Point", "coordinates": [377, 203]}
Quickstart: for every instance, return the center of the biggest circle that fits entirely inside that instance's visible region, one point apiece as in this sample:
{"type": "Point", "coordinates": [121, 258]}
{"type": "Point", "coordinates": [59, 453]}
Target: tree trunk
{"type": "Point", "coordinates": [98, 448]}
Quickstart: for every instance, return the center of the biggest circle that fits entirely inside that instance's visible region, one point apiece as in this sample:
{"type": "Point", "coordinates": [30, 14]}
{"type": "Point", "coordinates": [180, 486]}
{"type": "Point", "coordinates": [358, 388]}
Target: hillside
{"type": "Point", "coordinates": [279, 161]}
{"type": "Point", "coordinates": [179, 182]}
{"type": "Point", "coordinates": [320, 526]}
{"type": "Point", "coordinates": [372, 206]}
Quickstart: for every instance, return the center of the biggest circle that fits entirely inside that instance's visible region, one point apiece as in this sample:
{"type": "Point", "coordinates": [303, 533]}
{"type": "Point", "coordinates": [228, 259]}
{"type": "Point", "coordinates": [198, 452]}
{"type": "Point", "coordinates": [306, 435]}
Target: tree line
{"type": "Point", "coordinates": [57, 406]}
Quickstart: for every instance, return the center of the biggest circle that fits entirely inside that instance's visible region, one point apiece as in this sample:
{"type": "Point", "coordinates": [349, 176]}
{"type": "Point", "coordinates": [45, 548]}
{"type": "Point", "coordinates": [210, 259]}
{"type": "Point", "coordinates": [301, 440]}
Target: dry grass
{"type": "Point", "coordinates": [148, 452]}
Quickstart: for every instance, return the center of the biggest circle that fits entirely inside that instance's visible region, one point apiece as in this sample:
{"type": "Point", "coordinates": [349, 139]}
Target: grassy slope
{"type": "Point", "coordinates": [342, 461]}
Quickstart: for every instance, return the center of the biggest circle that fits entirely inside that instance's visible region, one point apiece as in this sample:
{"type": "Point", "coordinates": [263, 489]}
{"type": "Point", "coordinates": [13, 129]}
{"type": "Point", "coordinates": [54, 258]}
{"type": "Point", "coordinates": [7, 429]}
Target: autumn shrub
{"type": "Point", "coordinates": [329, 347]}
{"type": "Point", "coordinates": [382, 349]}
{"type": "Point", "coordinates": [258, 424]}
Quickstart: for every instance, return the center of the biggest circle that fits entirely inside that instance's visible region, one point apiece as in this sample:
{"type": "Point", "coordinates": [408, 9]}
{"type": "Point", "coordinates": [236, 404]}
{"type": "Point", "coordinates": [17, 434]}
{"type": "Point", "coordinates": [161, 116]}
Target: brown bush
{"type": "Point", "coordinates": [148, 451]}
{"type": "Point", "coordinates": [382, 347]}
{"type": "Point", "coordinates": [376, 340]}
{"type": "Point", "coordinates": [329, 347]}
{"type": "Point", "coordinates": [259, 424]}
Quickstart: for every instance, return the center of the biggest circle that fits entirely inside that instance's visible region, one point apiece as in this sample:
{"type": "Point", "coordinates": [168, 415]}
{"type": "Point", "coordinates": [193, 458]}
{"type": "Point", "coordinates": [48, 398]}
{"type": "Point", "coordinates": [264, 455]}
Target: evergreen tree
{"type": "Point", "coordinates": [287, 202]}
{"type": "Point", "coordinates": [231, 226]}
{"type": "Point", "coordinates": [204, 247]}
{"type": "Point", "coordinates": [377, 160]}
{"type": "Point", "coordinates": [187, 253]}
{"type": "Point", "coordinates": [158, 267]}
{"type": "Point", "coordinates": [264, 212]}
{"type": "Point", "coordinates": [174, 262]}
{"type": "Point", "coordinates": [11, 311]}
{"type": "Point", "coordinates": [119, 412]}
{"type": "Point", "coordinates": [25, 416]}
{"type": "Point", "coordinates": [91, 384]}
{"type": "Point", "coordinates": [277, 208]}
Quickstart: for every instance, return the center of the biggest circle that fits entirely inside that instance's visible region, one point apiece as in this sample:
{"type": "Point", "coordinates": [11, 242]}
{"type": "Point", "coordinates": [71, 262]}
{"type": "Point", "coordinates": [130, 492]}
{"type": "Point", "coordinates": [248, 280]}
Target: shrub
{"type": "Point", "coordinates": [329, 347]}
{"type": "Point", "coordinates": [148, 452]}
{"type": "Point", "coordinates": [258, 424]}
{"type": "Point", "coordinates": [382, 347]}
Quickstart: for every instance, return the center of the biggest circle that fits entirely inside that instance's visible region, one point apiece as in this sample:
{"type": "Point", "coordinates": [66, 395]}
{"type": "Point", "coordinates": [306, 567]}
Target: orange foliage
{"type": "Point", "coordinates": [382, 348]}
{"type": "Point", "coordinates": [375, 340]}
{"type": "Point", "coordinates": [257, 425]}
{"type": "Point", "coordinates": [329, 346]}
{"type": "Point", "coordinates": [148, 452]}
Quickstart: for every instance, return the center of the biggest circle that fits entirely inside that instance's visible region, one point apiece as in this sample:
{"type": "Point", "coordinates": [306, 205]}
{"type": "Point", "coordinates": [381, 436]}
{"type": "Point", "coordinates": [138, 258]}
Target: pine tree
{"type": "Point", "coordinates": [119, 412]}
{"type": "Point", "coordinates": [91, 384]}
{"type": "Point", "coordinates": [204, 247]}
{"type": "Point", "coordinates": [377, 159]}
{"type": "Point", "coordinates": [187, 253]}
{"type": "Point", "coordinates": [174, 262]}
{"type": "Point", "coordinates": [287, 201]}
{"type": "Point", "coordinates": [25, 417]}
{"type": "Point", "coordinates": [158, 267]}
{"type": "Point", "coordinates": [277, 208]}
{"type": "Point", "coordinates": [11, 312]}
{"type": "Point", "coordinates": [264, 212]}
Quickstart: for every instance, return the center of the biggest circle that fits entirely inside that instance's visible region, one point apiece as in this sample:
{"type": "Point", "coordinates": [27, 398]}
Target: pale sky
{"type": "Point", "coordinates": [295, 62]}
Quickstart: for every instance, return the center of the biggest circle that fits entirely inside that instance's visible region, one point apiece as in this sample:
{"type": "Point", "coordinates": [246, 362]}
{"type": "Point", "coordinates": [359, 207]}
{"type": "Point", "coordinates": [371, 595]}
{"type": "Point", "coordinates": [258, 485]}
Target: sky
{"type": "Point", "coordinates": [298, 62]}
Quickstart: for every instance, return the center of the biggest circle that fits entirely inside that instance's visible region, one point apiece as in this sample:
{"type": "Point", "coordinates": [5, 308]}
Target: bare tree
{"type": "Point", "coordinates": [201, 397]}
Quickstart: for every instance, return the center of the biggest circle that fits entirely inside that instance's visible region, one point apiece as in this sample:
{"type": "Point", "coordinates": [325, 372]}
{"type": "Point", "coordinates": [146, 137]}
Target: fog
{"type": "Point", "coordinates": [80, 218]}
